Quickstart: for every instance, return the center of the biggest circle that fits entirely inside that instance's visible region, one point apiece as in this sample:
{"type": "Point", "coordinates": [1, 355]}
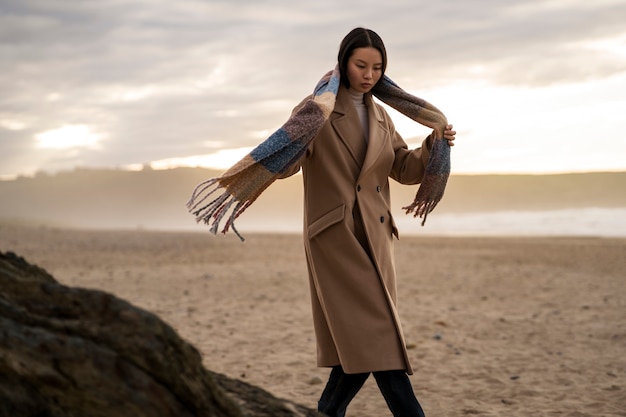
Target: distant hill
{"type": "Point", "coordinates": [533, 192]}
{"type": "Point", "coordinates": [155, 199]}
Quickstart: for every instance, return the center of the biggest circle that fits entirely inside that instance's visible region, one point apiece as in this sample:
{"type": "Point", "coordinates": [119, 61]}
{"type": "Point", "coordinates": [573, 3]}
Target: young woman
{"type": "Point", "coordinates": [347, 148]}
{"type": "Point", "coordinates": [349, 232]}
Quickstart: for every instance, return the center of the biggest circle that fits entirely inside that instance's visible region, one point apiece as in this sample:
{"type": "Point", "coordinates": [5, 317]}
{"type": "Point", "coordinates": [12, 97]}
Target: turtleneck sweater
{"type": "Point", "coordinates": [361, 109]}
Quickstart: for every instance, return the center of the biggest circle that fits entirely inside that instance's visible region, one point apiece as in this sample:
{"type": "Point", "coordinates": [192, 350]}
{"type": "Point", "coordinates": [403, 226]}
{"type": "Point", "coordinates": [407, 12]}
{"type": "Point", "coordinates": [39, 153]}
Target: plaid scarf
{"type": "Point", "coordinates": [247, 179]}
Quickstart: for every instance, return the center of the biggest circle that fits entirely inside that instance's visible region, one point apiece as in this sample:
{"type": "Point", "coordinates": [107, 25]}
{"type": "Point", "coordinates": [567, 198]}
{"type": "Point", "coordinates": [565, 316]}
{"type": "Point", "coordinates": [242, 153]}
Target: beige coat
{"type": "Point", "coordinates": [348, 237]}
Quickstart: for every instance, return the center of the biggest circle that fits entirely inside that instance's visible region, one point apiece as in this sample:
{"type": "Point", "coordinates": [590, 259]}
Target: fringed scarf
{"type": "Point", "coordinates": [243, 183]}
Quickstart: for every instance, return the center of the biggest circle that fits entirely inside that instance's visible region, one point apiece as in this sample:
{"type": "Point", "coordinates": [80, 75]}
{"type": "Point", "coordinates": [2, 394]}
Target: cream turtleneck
{"type": "Point", "coordinates": [361, 109]}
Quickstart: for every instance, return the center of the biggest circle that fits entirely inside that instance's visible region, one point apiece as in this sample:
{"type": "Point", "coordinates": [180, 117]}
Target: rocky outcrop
{"type": "Point", "coordinates": [76, 352]}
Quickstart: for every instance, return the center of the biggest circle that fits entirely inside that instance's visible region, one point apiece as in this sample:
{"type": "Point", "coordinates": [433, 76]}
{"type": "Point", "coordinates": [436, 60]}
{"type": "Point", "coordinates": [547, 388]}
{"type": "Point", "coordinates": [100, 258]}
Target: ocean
{"type": "Point", "coordinates": [601, 222]}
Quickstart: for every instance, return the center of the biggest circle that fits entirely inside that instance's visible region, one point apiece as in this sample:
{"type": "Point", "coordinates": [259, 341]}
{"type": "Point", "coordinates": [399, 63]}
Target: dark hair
{"type": "Point", "coordinates": [359, 38]}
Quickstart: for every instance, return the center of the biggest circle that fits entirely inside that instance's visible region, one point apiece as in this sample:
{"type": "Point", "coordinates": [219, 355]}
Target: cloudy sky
{"type": "Point", "coordinates": [531, 85]}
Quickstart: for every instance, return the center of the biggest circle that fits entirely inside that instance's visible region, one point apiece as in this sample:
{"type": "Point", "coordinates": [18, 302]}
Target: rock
{"type": "Point", "coordinates": [76, 352]}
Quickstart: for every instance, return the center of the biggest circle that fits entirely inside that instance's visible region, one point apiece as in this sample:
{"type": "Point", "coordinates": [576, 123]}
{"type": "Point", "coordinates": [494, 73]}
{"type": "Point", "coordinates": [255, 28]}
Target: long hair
{"type": "Point", "coordinates": [359, 38]}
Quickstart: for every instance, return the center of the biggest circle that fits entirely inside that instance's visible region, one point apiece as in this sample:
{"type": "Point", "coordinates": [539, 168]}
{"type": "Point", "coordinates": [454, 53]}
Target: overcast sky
{"type": "Point", "coordinates": [531, 85]}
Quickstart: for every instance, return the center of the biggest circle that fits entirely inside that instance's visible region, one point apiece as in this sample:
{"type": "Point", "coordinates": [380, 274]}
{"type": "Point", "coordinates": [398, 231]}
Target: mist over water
{"type": "Point", "coordinates": [585, 204]}
{"type": "Point", "coordinates": [569, 222]}
{"type": "Point", "coordinates": [602, 222]}
{"type": "Point", "coordinates": [599, 222]}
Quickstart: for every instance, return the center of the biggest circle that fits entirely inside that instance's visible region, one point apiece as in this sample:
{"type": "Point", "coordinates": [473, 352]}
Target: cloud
{"type": "Point", "coordinates": [532, 43]}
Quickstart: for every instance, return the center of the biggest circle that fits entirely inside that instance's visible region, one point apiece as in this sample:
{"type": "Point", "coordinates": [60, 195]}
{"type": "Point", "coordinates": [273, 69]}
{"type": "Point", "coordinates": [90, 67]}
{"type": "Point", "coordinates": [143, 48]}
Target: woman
{"type": "Point", "coordinates": [347, 148]}
{"type": "Point", "coordinates": [349, 234]}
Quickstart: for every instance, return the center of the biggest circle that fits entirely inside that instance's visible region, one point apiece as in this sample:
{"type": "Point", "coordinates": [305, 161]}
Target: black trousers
{"type": "Point", "coordinates": [394, 385]}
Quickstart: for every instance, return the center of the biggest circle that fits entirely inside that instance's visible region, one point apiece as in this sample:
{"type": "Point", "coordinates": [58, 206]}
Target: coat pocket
{"type": "Point", "coordinates": [334, 216]}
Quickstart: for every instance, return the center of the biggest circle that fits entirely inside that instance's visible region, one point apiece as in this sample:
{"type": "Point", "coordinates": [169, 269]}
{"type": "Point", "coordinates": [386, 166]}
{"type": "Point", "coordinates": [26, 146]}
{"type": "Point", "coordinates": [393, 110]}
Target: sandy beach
{"type": "Point", "coordinates": [496, 326]}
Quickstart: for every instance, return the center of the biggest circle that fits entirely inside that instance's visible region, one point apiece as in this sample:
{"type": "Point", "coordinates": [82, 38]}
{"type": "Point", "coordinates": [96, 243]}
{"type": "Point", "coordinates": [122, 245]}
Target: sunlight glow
{"type": "Point", "coordinates": [11, 124]}
{"type": "Point", "coordinates": [222, 159]}
{"type": "Point", "coordinates": [530, 130]}
{"type": "Point", "coordinates": [615, 45]}
{"type": "Point", "coordinates": [67, 137]}
{"type": "Point", "coordinates": [52, 97]}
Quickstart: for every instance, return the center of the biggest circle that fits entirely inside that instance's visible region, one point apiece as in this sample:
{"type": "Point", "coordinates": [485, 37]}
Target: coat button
{"type": "Point", "coordinates": [382, 219]}
{"type": "Point", "coordinates": [378, 188]}
{"type": "Point", "coordinates": [358, 187]}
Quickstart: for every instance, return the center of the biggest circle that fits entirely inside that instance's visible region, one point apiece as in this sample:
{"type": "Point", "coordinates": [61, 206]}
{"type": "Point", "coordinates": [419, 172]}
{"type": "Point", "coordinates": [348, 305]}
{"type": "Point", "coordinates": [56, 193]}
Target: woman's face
{"type": "Point", "coordinates": [365, 67]}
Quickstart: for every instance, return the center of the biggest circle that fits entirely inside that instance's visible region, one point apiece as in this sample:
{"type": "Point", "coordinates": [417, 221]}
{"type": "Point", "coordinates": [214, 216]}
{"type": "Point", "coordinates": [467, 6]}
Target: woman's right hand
{"type": "Point", "coordinates": [449, 134]}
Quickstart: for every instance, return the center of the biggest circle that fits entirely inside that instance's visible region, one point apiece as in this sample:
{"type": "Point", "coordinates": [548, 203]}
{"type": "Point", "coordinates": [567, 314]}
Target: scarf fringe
{"type": "Point", "coordinates": [434, 182]}
{"type": "Point", "coordinates": [216, 210]}
{"type": "Point", "coordinates": [421, 209]}
{"type": "Point", "coordinates": [213, 212]}
{"type": "Point", "coordinates": [199, 190]}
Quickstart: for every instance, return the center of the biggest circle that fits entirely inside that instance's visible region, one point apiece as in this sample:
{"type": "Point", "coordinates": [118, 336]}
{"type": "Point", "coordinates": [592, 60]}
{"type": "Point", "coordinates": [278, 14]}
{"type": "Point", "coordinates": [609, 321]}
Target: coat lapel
{"type": "Point", "coordinates": [378, 132]}
{"type": "Point", "coordinates": [345, 121]}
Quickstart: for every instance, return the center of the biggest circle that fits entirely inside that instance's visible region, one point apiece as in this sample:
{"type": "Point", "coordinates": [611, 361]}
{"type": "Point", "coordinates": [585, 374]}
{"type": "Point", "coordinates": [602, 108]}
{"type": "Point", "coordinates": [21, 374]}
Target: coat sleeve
{"type": "Point", "coordinates": [409, 164]}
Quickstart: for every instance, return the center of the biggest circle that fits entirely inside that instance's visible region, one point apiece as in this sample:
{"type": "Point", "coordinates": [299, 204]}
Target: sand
{"type": "Point", "coordinates": [495, 326]}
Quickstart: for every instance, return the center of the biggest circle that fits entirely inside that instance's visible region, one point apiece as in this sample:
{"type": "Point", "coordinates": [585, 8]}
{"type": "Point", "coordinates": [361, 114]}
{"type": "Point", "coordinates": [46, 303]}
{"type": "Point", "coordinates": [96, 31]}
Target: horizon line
{"type": "Point", "coordinates": [148, 167]}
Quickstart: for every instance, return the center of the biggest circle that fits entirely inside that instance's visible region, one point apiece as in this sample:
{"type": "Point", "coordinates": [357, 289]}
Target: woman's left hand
{"type": "Point", "coordinates": [449, 135]}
